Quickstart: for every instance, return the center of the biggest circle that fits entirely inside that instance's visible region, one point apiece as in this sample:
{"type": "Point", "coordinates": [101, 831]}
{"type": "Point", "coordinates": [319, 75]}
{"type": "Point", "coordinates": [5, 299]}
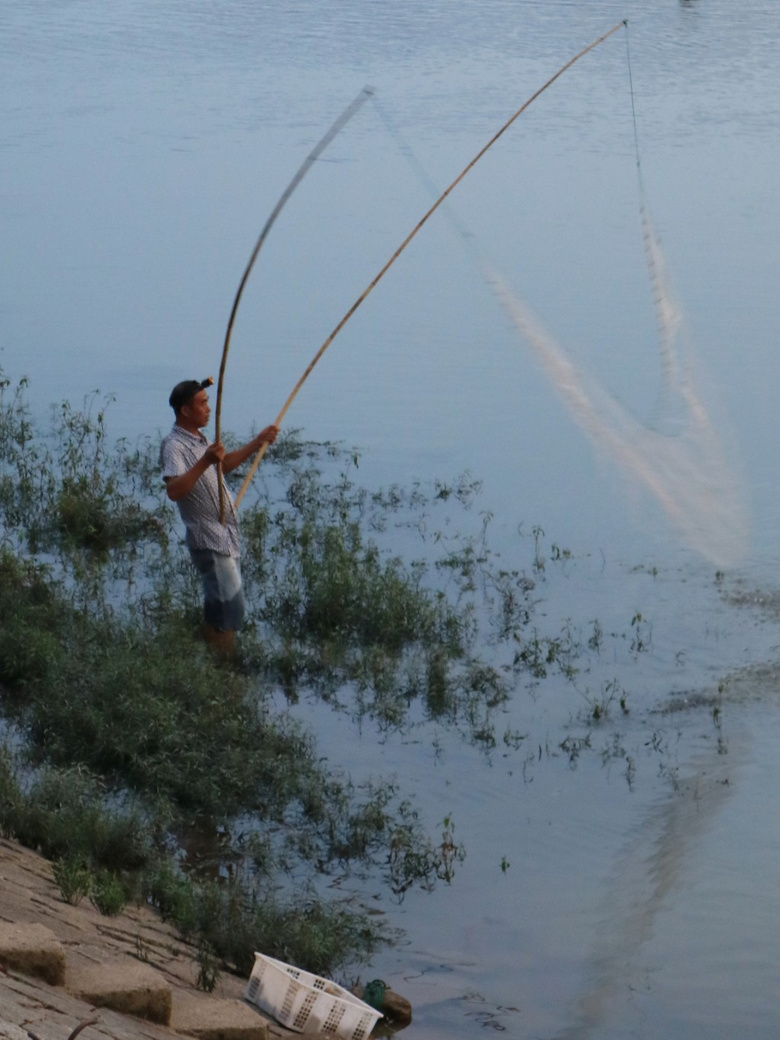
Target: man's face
{"type": "Point", "coordinates": [197, 410]}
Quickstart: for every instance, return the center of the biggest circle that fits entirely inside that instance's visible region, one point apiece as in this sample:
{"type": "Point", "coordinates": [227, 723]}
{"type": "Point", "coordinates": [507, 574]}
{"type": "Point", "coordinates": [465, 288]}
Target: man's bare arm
{"type": "Point", "coordinates": [233, 459]}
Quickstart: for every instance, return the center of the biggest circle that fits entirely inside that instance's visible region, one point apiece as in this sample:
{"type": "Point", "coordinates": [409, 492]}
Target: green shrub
{"type": "Point", "coordinates": [73, 878]}
{"type": "Point", "coordinates": [108, 893]}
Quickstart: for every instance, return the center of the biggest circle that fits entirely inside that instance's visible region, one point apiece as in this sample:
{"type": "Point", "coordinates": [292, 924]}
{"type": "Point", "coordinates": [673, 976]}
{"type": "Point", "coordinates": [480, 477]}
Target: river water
{"type": "Point", "coordinates": [630, 889]}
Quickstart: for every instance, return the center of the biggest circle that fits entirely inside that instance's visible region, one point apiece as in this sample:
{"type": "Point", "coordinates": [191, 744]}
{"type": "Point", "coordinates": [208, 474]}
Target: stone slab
{"type": "Point", "coordinates": [209, 1018]}
{"type": "Point", "coordinates": [126, 986]}
{"type": "Point", "coordinates": [12, 1032]}
{"type": "Point", "coordinates": [32, 949]}
{"type": "Point", "coordinates": [51, 1013]}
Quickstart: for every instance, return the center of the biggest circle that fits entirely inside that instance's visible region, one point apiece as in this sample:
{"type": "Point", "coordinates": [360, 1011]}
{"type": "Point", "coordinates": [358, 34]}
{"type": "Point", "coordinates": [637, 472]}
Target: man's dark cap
{"type": "Point", "coordinates": [184, 392]}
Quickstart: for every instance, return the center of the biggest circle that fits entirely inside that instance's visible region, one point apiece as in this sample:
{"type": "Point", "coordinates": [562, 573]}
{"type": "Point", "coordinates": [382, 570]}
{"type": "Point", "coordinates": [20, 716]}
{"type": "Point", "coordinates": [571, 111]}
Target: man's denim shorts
{"type": "Point", "coordinates": [223, 606]}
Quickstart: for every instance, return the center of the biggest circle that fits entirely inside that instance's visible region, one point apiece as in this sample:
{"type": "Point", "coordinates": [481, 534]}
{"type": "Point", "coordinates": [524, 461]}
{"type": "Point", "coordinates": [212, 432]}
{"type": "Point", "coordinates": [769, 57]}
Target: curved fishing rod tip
{"type": "Point", "coordinates": [369, 90]}
{"type": "Point", "coordinates": [625, 22]}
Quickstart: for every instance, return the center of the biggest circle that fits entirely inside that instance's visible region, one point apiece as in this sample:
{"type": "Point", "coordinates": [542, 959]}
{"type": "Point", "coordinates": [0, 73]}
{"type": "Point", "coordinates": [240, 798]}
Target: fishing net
{"type": "Point", "coordinates": [681, 458]}
{"type": "Point", "coordinates": [685, 468]}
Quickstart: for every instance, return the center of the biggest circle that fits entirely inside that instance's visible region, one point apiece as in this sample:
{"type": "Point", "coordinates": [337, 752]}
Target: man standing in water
{"type": "Point", "coordinates": [189, 465]}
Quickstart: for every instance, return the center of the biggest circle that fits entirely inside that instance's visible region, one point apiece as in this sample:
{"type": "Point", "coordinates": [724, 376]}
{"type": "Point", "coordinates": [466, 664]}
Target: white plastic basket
{"type": "Point", "coordinates": [307, 1003]}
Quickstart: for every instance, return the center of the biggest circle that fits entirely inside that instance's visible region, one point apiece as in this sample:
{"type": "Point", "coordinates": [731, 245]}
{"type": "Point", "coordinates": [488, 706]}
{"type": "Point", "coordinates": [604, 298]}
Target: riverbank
{"type": "Point", "coordinates": [134, 948]}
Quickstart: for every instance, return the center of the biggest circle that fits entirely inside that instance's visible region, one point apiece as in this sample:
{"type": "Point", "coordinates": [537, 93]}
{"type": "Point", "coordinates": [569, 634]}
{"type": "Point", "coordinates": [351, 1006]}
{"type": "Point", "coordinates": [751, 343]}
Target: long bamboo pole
{"type": "Point", "coordinates": [319, 148]}
{"type": "Point", "coordinates": [259, 457]}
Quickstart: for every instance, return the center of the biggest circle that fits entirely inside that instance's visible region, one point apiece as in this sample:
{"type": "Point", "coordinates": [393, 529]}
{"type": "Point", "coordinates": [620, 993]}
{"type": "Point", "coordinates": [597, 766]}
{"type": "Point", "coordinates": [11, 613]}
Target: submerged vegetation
{"type": "Point", "coordinates": [147, 770]}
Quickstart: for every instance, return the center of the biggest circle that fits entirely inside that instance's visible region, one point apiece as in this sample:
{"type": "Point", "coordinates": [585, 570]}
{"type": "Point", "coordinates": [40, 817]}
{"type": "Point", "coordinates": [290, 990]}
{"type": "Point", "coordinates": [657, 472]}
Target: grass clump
{"type": "Point", "coordinates": [339, 613]}
{"type": "Point", "coordinates": [107, 893]}
{"type": "Point", "coordinates": [238, 916]}
{"type": "Point", "coordinates": [103, 848]}
{"type": "Point", "coordinates": [73, 878]}
{"type": "Point", "coordinates": [68, 814]}
{"type": "Point", "coordinates": [71, 491]}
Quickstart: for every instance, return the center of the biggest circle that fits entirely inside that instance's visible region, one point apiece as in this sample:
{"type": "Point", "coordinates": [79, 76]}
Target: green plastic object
{"type": "Point", "coordinates": [374, 993]}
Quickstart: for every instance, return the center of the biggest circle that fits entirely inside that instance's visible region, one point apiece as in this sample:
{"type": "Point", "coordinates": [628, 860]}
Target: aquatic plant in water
{"type": "Point", "coordinates": [136, 740]}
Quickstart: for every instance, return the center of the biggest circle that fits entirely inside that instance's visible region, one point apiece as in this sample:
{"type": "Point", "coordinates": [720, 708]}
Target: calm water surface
{"type": "Point", "coordinates": [142, 146]}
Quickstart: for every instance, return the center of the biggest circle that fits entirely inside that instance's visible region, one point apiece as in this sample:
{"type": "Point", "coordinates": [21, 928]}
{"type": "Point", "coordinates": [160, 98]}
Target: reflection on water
{"type": "Point", "coordinates": [646, 872]}
{"type": "Point", "coordinates": [144, 143]}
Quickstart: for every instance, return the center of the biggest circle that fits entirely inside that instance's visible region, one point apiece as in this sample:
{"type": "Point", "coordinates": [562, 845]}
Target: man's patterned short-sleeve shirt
{"type": "Point", "coordinates": [179, 452]}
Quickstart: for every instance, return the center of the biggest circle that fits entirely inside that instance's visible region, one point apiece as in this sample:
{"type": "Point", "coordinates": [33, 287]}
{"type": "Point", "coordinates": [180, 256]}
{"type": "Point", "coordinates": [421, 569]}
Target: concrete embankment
{"type": "Point", "coordinates": [130, 976]}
